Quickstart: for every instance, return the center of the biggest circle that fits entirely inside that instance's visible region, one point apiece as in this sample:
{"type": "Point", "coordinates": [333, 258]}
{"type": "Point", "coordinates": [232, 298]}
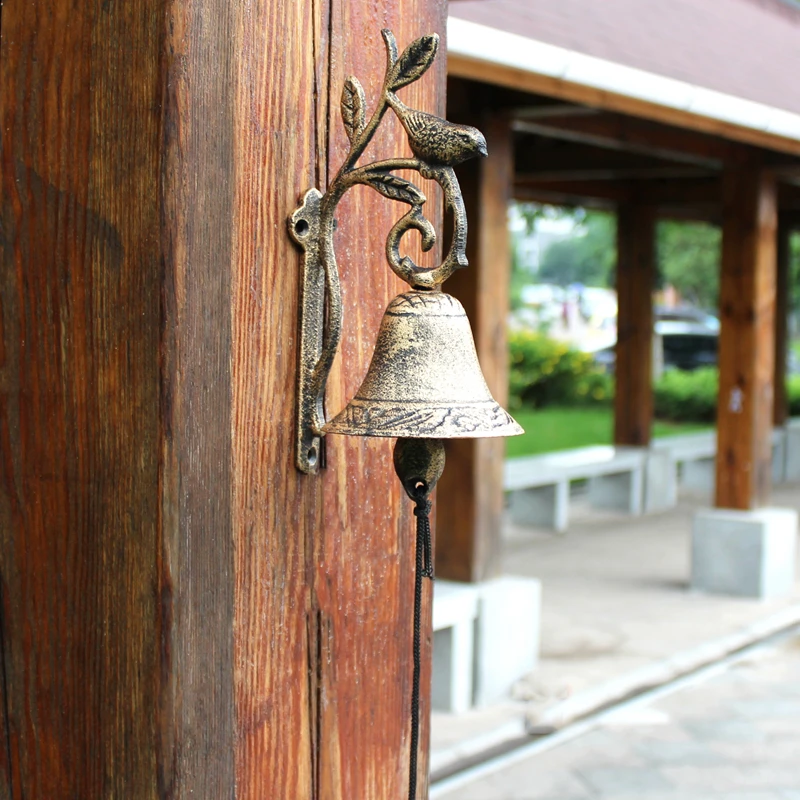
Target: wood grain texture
{"type": "Point", "coordinates": [280, 78]}
{"type": "Point", "coordinates": [364, 553]}
{"type": "Point", "coordinates": [746, 347]}
{"type": "Point", "coordinates": [182, 614]}
{"type": "Point", "coordinates": [196, 589]}
{"type": "Point", "coordinates": [79, 397]}
{"type": "Point", "coordinates": [633, 397]}
{"type": "Point", "coordinates": [470, 493]}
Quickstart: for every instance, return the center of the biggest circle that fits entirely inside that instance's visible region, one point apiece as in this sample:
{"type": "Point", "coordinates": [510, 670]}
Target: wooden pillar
{"type": "Point", "coordinates": [183, 614]}
{"type": "Point", "coordinates": [633, 399]}
{"type": "Point", "coordinates": [747, 338]}
{"type": "Point", "coordinates": [470, 494]}
{"type": "Point", "coordinates": [787, 225]}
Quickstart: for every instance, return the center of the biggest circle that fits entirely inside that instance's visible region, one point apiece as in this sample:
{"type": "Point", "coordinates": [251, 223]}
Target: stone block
{"type": "Point", "coordinates": [746, 553]}
{"type": "Point", "coordinates": [779, 453]}
{"type": "Point", "coordinates": [507, 635]}
{"type": "Point", "coordinates": [660, 481]}
{"type": "Point", "coordinates": [620, 492]}
{"type": "Point", "coordinates": [792, 465]}
{"type": "Point", "coordinates": [699, 476]}
{"type": "Point", "coordinates": [455, 609]}
{"type": "Point", "coordinates": [543, 506]}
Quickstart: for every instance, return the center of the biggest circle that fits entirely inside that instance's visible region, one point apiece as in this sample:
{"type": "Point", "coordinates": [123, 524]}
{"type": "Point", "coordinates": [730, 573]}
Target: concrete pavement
{"type": "Point", "coordinates": [735, 735]}
{"type": "Point", "coordinates": [617, 617]}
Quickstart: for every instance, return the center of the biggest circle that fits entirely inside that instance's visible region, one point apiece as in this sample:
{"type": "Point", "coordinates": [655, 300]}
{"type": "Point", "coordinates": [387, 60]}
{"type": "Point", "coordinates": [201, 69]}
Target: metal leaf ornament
{"type": "Point", "coordinates": [414, 62]}
{"type": "Point", "coordinates": [436, 144]}
{"type": "Point", "coordinates": [396, 188]}
{"type": "Point", "coordinates": [354, 103]}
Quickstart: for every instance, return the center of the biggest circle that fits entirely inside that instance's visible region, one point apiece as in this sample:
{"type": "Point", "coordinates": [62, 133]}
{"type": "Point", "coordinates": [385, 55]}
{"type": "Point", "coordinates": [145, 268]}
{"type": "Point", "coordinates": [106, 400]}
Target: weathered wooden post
{"type": "Point", "coordinates": [636, 255]}
{"type": "Point", "coordinates": [742, 546]}
{"type": "Point", "coordinates": [183, 613]}
{"type": "Point", "coordinates": [470, 506]}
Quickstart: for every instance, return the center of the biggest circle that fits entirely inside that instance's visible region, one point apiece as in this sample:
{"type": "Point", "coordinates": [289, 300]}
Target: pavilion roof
{"type": "Point", "coordinates": [748, 49]}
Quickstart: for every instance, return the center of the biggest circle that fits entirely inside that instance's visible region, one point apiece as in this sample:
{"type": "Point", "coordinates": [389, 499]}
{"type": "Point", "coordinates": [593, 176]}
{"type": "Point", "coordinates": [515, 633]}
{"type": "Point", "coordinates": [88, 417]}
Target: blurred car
{"type": "Point", "coordinates": [687, 314]}
{"type": "Point", "coordinates": [689, 339]}
{"type": "Point", "coordinates": [687, 345]}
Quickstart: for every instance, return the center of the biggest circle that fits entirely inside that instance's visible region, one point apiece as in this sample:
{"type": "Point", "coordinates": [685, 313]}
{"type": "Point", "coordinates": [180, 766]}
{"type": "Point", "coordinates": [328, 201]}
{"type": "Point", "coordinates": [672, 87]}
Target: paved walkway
{"type": "Point", "coordinates": [734, 736]}
{"type": "Point", "coordinates": [616, 610]}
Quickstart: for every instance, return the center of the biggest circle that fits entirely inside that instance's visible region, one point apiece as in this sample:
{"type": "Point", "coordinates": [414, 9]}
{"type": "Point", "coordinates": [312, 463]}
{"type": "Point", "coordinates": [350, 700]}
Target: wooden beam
{"type": "Point", "coordinates": [560, 110]}
{"type": "Point", "coordinates": [633, 399]}
{"type": "Point", "coordinates": [621, 133]}
{"type": "Point", "coordinates": [560, 89]}
{"type": "Point", "coordinates": [537, 153]}
{"type": "Point", "coordinates": [525, 194]}
{"type": "Point", "coordinates": [747, 338]}
{"type": "Point", "coordinates": [470, 494]}
{"type": "Point", "coordinates": [595, 194]}
{"type": "Point", "coordinates": [613, 174]}
{"type": "Point", "coordinates": [689, 192]}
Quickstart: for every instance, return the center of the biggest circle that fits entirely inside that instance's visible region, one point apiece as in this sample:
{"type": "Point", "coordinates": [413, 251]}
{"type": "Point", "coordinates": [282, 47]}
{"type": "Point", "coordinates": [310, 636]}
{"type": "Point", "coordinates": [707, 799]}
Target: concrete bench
{"type": "Point", "coordinates": [455, 612]}
{"type": "Point", "coordinates": [694, 457]}
{"type": "Point", "coordinates": [486, 637]}
{"type": "Point", "coordinates": [792, 460]}
{"type": "Point", "coordinates": [539, 485]}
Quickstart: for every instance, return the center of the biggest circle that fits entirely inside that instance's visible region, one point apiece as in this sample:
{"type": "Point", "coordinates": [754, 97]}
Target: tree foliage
{"type": "Point", "coordinates": [688, 256]}
{"type": "Point", "coordinates": [523, 274]}
{"type": "Point", "coordinates": [794, 271]}
{"type": "Point", "coordinates": [588, 257]}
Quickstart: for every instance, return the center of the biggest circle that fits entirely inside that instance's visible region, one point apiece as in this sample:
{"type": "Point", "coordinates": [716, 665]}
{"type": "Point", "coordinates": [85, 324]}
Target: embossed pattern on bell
{"type": "Point", "coordinates": [424, 379]}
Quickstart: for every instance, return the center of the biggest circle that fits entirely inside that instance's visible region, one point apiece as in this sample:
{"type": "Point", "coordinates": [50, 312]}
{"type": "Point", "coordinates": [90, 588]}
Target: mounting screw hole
{"type": "Point", "coordinates": [301, 227]}
{"type": "Point", "coordinates": [311, 455]}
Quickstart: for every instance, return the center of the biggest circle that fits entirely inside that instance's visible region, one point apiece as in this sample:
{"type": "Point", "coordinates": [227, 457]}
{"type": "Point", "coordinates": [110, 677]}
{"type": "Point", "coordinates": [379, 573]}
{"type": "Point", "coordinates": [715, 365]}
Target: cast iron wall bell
{"type": "Point", "coordinates": [424, 383]}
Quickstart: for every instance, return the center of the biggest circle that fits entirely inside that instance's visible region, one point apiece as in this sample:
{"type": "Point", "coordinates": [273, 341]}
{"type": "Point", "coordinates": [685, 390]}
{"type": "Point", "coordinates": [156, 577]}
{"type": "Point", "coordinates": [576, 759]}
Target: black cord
{"type": "Point", "coordinates": [423, 569]}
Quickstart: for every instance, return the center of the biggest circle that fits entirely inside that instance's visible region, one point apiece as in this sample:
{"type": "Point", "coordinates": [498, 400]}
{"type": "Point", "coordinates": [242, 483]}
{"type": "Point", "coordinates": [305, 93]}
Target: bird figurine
{"type": "Point", "coordinates": [437, 141]}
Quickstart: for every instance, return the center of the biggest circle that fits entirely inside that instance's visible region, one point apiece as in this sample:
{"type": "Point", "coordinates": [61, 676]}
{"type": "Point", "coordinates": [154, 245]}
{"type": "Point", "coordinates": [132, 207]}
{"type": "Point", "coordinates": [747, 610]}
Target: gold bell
{"type": "Point", "coordinates": [424, 380]}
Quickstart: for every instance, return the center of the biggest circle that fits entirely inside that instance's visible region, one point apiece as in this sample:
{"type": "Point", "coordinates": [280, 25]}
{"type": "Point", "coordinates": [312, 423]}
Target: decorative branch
{"type": "Point", "coordinates": [437, 145]}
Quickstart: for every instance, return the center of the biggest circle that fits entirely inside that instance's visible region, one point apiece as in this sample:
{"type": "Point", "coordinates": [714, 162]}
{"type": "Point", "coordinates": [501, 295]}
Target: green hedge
{"type": "Point", "coordinates": [692, 396]}
{"type": "Point", "coordinates": [793, 388]}
{"type": "Point", "coordinates": [687, 396]}
{"type": "Point", "coordinates": [546, 372]}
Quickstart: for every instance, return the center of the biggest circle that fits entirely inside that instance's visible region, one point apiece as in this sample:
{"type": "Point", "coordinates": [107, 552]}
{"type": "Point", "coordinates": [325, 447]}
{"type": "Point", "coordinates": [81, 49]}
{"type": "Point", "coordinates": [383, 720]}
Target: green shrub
{"type": "Point", "coordinates": [793, 389]}
{"type": "Point", "coordinates": [545, 372]}
{"type": "Point", "coordinates": [687, 396]}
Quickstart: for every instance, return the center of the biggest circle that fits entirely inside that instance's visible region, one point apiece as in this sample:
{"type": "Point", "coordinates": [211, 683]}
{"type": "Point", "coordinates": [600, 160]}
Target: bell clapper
{"type": "Point", "coordinates": [419, 464]}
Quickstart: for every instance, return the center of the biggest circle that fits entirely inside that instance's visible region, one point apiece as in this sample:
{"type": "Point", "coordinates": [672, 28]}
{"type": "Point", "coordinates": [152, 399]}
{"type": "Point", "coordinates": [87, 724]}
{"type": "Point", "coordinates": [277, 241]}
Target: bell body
{"type": "Point", "coordinates": [424, 380]}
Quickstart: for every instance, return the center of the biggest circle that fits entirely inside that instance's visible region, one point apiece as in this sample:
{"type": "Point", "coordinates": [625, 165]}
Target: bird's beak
{"type": "Point", "coordinates": [482, 151]}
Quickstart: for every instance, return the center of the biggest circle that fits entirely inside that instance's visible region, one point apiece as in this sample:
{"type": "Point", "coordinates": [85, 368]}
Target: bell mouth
{"type": "Point", "coordinates": [423, 420]}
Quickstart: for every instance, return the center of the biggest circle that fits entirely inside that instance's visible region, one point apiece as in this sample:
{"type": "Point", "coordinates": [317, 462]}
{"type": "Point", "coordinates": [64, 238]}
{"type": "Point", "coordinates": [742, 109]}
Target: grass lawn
{"type": "Point", "coordinates": [563, 428]}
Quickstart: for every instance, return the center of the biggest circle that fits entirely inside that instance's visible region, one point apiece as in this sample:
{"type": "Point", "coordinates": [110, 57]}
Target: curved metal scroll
{"type": "Point", "coordinates": [437, 146]}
